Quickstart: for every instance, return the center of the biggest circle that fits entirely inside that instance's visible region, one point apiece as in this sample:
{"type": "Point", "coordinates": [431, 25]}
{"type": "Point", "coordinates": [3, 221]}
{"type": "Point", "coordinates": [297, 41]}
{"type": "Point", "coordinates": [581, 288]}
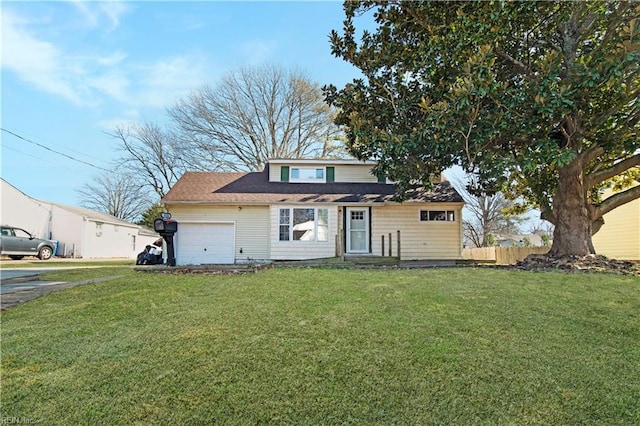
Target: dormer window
{"type": "Point", "coordinates": [307, 174]}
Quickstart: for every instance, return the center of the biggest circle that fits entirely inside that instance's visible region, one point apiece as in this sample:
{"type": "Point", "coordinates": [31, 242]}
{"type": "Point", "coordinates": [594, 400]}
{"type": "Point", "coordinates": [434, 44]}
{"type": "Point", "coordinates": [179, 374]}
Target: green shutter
{"type": "Point", "coordinates": [284, 173]}
{"type": "Point", "coordinates": [331, 174]}
{"type": "Point", "coordinates": [382, 179]}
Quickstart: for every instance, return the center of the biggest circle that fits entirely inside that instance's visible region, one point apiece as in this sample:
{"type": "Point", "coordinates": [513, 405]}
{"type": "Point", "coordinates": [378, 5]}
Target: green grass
{"type": "Point", "coordinates": [328, 346]}
{"type": "Point", "coordinates": [81, 274]}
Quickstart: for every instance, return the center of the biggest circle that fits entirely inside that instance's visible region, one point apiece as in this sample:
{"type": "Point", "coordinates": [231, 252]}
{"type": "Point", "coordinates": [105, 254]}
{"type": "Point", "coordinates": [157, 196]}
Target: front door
{"type": "Point", "coordinates": [357, 230]}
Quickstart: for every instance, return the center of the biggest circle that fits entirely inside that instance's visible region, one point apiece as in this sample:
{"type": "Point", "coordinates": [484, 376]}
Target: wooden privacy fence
{"type": "Point", "coordinates": [501, 255]}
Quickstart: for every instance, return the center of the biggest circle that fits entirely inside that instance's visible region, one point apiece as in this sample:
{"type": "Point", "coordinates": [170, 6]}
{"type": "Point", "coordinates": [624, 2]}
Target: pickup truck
{"type": "Point", "coordinates": [18, 243]}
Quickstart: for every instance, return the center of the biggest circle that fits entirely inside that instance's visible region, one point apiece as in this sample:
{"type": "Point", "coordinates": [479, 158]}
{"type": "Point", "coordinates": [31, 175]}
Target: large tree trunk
{"type": "Point", "coordinates": [572, 234]}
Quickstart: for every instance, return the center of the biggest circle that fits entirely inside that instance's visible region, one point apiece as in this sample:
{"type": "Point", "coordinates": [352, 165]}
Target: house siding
{"type": "Point", "coordinates": [619, 237]}
{"type": "Point", "coordinates": [300, 250]}
{"type": "Point", "coordinates": [18, 209]}
{"type": "Point", "coordinates": [111, 241]}
{"type": "Point", "coordinates": [252, 226]}
{"type": "Point", "coordinates": [419, 240]}
{"type": "Point", "coordinates": [75, 228]}
{"type": "Point", "coordinates": [360, 173]}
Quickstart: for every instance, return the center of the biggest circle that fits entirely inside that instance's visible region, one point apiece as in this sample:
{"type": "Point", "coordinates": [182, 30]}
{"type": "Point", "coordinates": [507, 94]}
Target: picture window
{"type": "Point", "coordinates": [303, 224]}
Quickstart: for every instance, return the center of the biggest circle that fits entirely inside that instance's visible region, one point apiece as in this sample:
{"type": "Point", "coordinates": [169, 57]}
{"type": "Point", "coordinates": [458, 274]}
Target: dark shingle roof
{"type": "Point", "coordinates": [255, 188]}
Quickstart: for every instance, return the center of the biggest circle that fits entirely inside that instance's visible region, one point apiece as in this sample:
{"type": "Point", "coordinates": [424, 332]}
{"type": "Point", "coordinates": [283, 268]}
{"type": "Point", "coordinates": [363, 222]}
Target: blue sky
{"type": "Point", "coordinates": [72, 71]}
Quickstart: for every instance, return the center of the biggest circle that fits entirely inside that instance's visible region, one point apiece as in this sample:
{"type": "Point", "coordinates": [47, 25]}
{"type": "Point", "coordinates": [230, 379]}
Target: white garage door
{"type": "Point", "coordinates": [205, 243]}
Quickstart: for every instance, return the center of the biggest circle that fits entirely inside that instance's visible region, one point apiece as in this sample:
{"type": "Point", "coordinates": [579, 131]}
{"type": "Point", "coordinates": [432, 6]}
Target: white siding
{"type": "Point", "coordinates": [343, 172]}
{"type": "Point", "coordinates": [112, 241]}
{"type": "Point", "coordinates": [70, 228]}
{"type": "Point", "coordinates": [274, 172]}
{"type": "Point", "coordinates": [418, 240]}
{"type": "Point", "coordinates": [22, 211]}
{"type": "Point", "coordinates": [354, 173]}
{"type": "Point", "coordinates": [252, 226]}
{"type": "Point", "coordinates": [301, 250]}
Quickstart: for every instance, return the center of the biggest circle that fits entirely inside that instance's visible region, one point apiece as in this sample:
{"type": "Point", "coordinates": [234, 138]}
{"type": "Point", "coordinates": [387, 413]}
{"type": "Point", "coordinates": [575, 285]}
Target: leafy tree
{"type": "Point", "coordinates": [151, 214]}
{"type": "Point", "coordinates": [257, 113]}
{"type": "Point", "coordinates": [116, 194]}
{"type": "Point", "coordinates": [540, 99]}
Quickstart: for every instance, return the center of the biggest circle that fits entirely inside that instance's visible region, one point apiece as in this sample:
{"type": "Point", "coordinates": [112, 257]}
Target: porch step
{"type": "Point", "coordinates": [371, 259]}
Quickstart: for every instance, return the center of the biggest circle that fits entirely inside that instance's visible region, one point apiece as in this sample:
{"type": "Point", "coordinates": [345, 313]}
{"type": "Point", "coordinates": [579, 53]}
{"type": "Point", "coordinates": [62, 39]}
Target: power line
{"type": "Point", "coordinates": [29, 155]}
{"type": "Point", "coordinates": [54, 151]}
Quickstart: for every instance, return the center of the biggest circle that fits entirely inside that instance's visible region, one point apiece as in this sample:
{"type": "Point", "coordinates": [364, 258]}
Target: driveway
{"type": "Point", "coordinates": [20, 285]}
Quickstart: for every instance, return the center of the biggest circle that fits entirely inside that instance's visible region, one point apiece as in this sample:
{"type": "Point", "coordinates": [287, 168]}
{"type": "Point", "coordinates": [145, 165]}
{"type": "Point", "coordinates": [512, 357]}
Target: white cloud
{"type": "Point", "coordinates": [93, 78]}
{"type": "Point", "coordinates": [258, 51]}
{"type": "Point", "coordinates": [37, 62]}
{"type": "Point", "coordinates": [169, 79]}
{"type": "Point", "coordinates": [126, 116]}
{"type": "Point", "coordinates": [113, 59]}
{"type": "Point", "coordinates": [94, 12]}
{"type": "Point", "coordinates": [113, 10]}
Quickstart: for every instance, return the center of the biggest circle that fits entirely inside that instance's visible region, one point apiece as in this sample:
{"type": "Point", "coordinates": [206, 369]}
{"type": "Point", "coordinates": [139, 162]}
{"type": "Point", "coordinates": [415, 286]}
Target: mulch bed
{"type": "Point", "coordinates": [588, 263]}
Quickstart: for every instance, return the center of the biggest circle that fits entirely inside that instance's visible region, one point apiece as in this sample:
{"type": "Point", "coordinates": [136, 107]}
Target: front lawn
{"type": "Point", "coordinates": [328, 346]}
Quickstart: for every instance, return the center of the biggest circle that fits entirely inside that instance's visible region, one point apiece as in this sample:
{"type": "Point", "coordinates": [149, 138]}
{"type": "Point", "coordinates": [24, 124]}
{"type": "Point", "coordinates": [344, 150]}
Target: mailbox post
{"type": "Point", "coordinates": [166, 227]}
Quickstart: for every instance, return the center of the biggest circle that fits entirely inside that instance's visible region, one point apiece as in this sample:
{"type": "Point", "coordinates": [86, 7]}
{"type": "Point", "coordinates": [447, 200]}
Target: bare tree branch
{"type": "Point", "coordinates": [150, 156]}
{"type": "Point", "coordinates": [116, 194]}
{"type": "Point", "coordinates": [255, 114]}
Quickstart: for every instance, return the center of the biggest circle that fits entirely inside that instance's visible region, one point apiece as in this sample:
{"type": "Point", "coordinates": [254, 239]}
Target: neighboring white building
{"type": "Point", "coordinates": [80, 232]}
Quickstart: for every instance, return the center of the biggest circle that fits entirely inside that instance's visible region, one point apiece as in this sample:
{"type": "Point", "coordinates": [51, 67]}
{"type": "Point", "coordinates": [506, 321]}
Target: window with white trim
{"type": "Point", "coordinates": [437, 216]}
{"type": "Point", "coordinates": [303, 224]}
{"type": "Point", "coordinates": [307, 174]}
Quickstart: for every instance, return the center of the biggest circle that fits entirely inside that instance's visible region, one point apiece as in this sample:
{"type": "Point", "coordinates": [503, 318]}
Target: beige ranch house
{"type": "Point", "coordinates": [309, 209]}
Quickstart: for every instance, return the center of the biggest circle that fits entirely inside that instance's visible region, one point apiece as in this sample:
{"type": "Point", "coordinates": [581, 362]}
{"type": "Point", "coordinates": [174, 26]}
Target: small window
{"type": "Point", "coordinates": [307, 174]}
{"type": "Point", "coordinates": [357, 215]}
{"type": "Point", "coordinates": [437, 216]}
{"type": "Point", "coordinates": [284, 224]}
{"type": "Point", "coordinates": [323, 225]}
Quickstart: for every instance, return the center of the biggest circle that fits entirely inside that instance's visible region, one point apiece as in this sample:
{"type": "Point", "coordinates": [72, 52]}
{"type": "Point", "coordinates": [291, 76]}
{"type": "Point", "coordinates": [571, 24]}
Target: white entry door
{"type": "Point", "coordinates": [357, 230]}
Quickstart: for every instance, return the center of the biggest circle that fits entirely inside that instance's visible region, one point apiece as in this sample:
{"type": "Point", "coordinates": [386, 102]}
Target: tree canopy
{"type": "Point", "coordinates": [257, 113]}
{"type": "Point", "coordinates": [539, 99]}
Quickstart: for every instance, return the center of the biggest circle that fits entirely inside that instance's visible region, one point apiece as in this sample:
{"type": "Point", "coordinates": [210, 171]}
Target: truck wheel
{"type": "Point", "coordinates": [45, 253]}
